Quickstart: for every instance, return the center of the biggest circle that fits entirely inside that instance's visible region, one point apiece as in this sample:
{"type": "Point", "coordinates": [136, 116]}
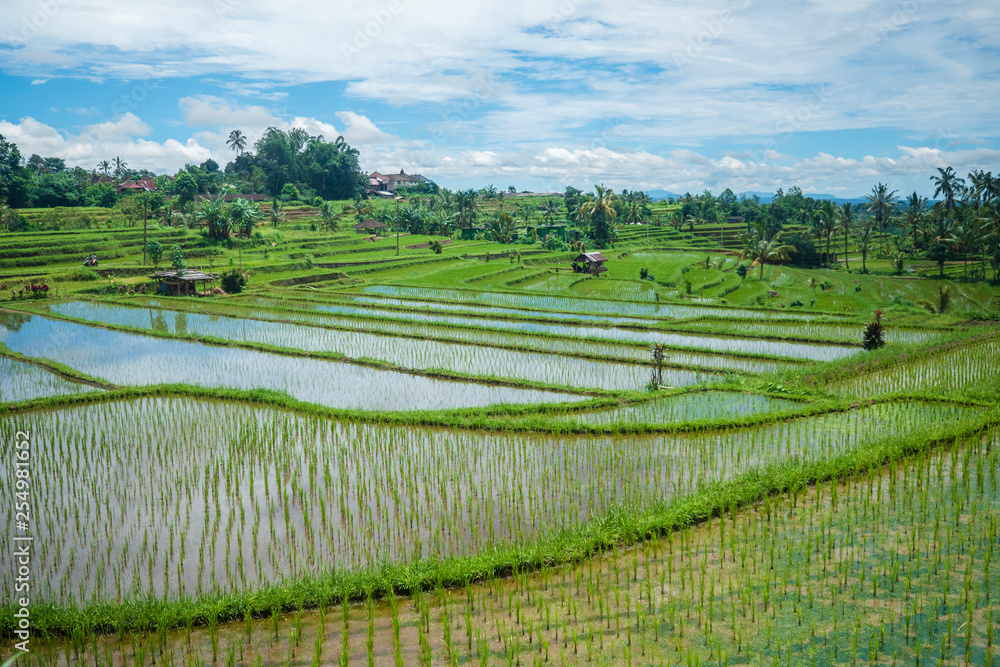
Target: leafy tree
{"type": "Point", "coordinates": [155, 251]}
{"type": "Point", "coordinates": [100, 194]}
{"type": "Point", "coordinates": [57, 189]}
{"type": "Point", "coordinates": [289, 193]}
{"type": "Point", "coordinates": [185, 186]}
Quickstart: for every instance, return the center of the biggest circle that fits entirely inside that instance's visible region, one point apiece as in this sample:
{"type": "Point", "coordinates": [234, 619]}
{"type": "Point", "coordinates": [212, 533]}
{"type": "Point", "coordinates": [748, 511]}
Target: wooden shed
{"type": "Point", "coordinates": [590, 262]}
{"type": "Point", "coordinates": [184, 282]}
{"type": "Point", "coordinates": [370, 226]}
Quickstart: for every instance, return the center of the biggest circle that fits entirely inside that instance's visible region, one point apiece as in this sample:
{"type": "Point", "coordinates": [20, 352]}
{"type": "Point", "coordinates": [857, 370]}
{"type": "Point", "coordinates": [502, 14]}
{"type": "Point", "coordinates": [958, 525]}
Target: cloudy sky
{"type": "Point", "coordinates": [539, 94]}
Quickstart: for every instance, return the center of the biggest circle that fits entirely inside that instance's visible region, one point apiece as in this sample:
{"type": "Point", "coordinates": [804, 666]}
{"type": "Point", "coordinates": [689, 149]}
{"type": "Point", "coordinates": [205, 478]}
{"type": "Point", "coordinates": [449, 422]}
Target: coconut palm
{"type": "Point", "coordinates": [601, 212]}
{"type": "Point", "coordinates": [949, 185]}
{"type": "Point", "coordinates": [121, 167]}
{"type": "Point", "coordinates": [328, 216]}
{"type": "Point", "coordinates": [275, 215]}
{"type": "Point", "coordinates": [549, 211]}
{"type": "Point", "coordinates": [242, 214]}
{"type": "Point", "coordinates": [865, 245]}
{"type": "Point", "coordinates": [880, 203]}
{"type": "Point", "coordinates": [237, 142]}
{"type": "Point", "coordinates": [846, 217]}
{"type": "Point", "coordinates": [915, 214]}
{"type": "Point", "coordinates": [941, 231]}
{"type": "Point", "coordinates": [761, 251]}
{"type": "Point", "coordinates": [105, 167]}
{"type": "Point", "coordinates": [828, 223]}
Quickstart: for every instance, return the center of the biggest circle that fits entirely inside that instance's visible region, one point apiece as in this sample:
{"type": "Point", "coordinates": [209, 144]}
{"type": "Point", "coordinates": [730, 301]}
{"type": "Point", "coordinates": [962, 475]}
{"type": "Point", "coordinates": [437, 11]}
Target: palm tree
{"type": "Point", "coordinates": [601, 212]}
{"type": "Point", "coordinates": [761, 251]}
{"type": "Point", "coordinates": [865, 245]}
{"type": "Point", "coordinates": [213, 212]}
{"type": "Point", "coordinates": [828, 223]}
{"type": "Point", "coordinates": [915, 214]}
{"type": "Point", "coordinates": [940, 230]}
{"type": "Point", "coordinates": [242, 214]}
{"type": "Point", "coordinates": [105, 167]}
{"type": "Point", "coordinates": [328, 216]}
{"type": "Point", "coordinates": [846, 217]}
{"type": "Point", "coordinates": [360, 207]}
{"type": "Point", "coordinates": [501, 228]}
{"type": "Point", "coordinates": [549, 211]}
{"type": "Point", "coordinates": [237, 142]}
{"type": "Point", "coordinates": [948, 184]}
{"type": "Point", "coordinates": [121, 167]}
{"type": "Point", "coordinates": [276, 215]}
{"type": "Point", "coordinates": [880, 203]}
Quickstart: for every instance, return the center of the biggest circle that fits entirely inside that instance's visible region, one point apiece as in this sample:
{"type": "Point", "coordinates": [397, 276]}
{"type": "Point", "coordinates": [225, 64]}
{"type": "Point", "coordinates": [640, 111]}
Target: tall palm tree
{"type": "Point", "coordinates": [941, 231]}
{"type": "Point", "coordinates": [242, 215]}
{"type": "Point", "coordinates": [237, 142]}
{"type": "Point", "coordinates": [846, 217]}
{"type": "Point", "coordinates": [828, 223]}
{"type": "Point", "coordinates": [949, 185]}
{"type": "Point", "coordinates": [328, 216]}
{"type": "Point", "coordinates": [601, 212]}
{"type": "Point", "coordinates": [881, 202]}
{"type": "Point", "coordinates": [865, 245]}
{"type": "Point", "coordinates": [105, 167]}
{"type": "Point", "coordinates": [915, 214]}
{"type": "Point", "coordinates": [121, 167]}
{"type": "Point", "coordinates": [761, 251]}
{"type": "Point", "coordinates": [549, 211]}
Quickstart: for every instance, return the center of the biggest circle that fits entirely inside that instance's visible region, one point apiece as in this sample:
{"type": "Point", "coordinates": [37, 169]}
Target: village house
{"type": "Point", "coordinates": [384, 185]}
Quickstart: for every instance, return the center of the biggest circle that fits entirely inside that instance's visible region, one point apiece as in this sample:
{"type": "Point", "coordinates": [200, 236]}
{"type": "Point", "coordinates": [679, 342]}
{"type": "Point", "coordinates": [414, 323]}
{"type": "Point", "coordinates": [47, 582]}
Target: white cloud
{"type": "Point", "coordinates": [210, 111]}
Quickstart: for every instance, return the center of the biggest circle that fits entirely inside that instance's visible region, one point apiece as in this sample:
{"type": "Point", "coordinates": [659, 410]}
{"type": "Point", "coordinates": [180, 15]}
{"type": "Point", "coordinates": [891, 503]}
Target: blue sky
{"type": "Point", "coordinates": [832, 97]}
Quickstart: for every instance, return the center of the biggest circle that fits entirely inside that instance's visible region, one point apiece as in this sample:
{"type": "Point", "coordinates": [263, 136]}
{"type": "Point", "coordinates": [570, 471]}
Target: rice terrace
{"type": "Point", "coordinates": [561, 333]}
{"type": "Point", "coordinates": [478, 452]}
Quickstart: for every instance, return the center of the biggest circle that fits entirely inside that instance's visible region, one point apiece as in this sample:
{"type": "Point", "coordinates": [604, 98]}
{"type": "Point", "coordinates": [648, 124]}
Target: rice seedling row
{"type": "Point", "coordinates": [169, 497]}
{"type": "Point", "coordinates": [399, 351]}
{"type": "Point", "coordinates": [894, 566]}
{"type": "Point", "coordinates": [133, 359]}
{"type": "Point", "coordinates": [22, 381]}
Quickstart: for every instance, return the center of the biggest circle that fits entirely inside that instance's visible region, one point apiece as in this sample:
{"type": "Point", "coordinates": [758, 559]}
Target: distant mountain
{"type": "Point", "coordinates": [765, 197]}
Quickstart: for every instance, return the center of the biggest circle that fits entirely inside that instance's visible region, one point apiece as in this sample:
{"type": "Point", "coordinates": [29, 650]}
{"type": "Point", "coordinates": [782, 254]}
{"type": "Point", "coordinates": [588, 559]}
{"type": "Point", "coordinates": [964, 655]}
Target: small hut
{"type": "Point", "coordinates": [369, 226]}
{"type": "Point", "coordinates": [590, 262]}
{"type": "Point", "coordinates": [183, 282]}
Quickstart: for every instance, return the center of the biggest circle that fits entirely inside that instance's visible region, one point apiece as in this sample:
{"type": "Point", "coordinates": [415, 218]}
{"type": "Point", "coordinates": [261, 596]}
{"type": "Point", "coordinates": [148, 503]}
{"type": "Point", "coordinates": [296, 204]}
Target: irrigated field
{"type": "Point", "coordinates": [448, 459]}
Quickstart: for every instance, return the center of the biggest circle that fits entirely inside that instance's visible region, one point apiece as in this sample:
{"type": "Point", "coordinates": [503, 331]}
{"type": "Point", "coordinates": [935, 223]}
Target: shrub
{"type": "Point", "coordinates": [874, 335]}
{"type": "Point", "coordinates": [741, 271]}
{"type": "Point", "coordinates": [234, 281]}
{"type": "Point", "coordinates": [796, 304]}
{"type": "Point", "coordinates": [643, 273]}
{"type": "Point", "coordinates": [435, 247]}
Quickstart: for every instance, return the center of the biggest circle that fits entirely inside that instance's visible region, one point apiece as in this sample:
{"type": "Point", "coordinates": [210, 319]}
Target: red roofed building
{"type": "Point", "coordinates": [141, 185]}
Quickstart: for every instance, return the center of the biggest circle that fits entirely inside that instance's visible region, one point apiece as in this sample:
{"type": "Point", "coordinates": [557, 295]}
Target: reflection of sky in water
{"type": "Point", "coordinates": [20, 381]}
{"type": "Point", "coordinates": [810, 351]}
{"type": "Point", "coordinates": [406, 352]}
{"type": "Point", "coordinates": [516, 333]}
{"type": "Point", "coordinates": [130, 359]}
{"type": "Point", "coordinates": [578, 305]}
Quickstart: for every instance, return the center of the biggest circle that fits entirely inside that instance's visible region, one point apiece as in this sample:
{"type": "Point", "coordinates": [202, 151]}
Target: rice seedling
{"type": "Point", "coordinates": [22, 381]}
{"type": "Point", "coordinates": [277, 496]}
{"type": "Point", "coordinates": [130, 359]}
{"type": "Point", "coordinates": [892, 566]}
